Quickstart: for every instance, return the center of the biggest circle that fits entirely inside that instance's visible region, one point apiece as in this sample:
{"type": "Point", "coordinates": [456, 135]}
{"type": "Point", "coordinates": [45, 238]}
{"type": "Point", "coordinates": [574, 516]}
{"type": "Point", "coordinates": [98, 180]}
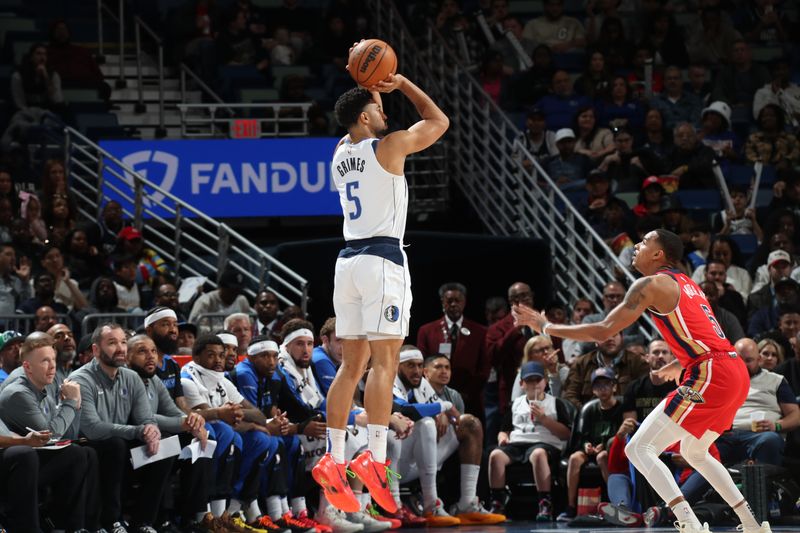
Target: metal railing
{"type": "Point", "coordinates": [190, 241]}
{"type": "Point", "coordinates": [138, 26]}
{"type": "Point", "coordinates": [268, 119]}
{"type": "Point", "coordinates": [126, 320]}
{"type": "Point", "coordinates": [510, 197]}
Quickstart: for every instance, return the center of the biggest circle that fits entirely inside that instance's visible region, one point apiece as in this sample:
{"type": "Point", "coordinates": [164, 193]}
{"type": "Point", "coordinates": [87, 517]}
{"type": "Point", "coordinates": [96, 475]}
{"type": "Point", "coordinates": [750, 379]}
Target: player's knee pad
{"type": "Point", "coordinates": [693, 450]}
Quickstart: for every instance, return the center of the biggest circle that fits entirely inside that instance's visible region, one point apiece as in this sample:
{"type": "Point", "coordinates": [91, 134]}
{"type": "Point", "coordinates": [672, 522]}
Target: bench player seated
{"type": "Point", "coordinates": [239, 427]}
{"type": "Point", "coordinates": [439, 430]}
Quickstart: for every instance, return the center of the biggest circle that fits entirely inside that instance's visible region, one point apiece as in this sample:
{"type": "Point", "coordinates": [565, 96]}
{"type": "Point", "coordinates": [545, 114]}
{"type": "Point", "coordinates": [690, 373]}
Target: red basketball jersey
{"type": "Point", "coordinates": [691, 329]}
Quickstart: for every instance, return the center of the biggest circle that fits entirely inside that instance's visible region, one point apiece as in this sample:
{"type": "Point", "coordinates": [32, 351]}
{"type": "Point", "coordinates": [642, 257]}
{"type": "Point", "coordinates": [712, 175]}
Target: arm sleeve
{"type": "Point", "coordinates": [141, 412]}
{"type": "Point", "coordinates": [415, 411]}
{"type": "Point", "coordinates": [92, 427]}
{"type": "Point", "coordinates": [25, 412]}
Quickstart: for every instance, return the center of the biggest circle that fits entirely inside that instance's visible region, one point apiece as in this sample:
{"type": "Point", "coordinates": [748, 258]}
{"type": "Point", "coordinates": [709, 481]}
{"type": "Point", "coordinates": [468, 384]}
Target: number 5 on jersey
{"type": "Point", "coordinates": [351, 187]}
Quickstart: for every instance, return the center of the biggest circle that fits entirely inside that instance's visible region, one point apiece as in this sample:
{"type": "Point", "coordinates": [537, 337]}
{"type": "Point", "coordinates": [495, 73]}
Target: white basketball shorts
{"type": "Point", "coordinates": [372, 297]}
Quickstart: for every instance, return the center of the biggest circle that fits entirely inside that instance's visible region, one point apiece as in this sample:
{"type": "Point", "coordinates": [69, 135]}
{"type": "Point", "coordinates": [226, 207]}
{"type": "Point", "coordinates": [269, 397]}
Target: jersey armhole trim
{"type": "Point", "coordinates": [677, 304]}
{"type": "Point", "coordinates": [375, 142]}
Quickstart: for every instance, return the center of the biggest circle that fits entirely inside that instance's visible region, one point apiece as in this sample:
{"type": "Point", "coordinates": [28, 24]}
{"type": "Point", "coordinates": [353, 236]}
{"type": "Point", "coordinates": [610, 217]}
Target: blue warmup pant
{"type": "Point", "coordinates": [227, 457]}
{"type": "Point", "coordinates": [258, 449]}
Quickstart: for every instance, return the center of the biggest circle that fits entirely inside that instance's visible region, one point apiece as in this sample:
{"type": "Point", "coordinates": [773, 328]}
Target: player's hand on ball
{"type": "Point", "coordinates": [394, 81]}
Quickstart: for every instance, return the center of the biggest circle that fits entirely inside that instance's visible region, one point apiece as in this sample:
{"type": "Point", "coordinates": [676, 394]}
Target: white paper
{"type": "Point", "coordinates": [169, 447]}
{"type": "Point", "coordinates": [194, 451]}
{"type": "Point", "coordinates": [189, 288]}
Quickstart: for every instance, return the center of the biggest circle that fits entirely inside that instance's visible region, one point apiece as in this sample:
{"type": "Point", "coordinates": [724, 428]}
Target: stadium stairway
{"type": "Point", "coordinates": [142, 118]}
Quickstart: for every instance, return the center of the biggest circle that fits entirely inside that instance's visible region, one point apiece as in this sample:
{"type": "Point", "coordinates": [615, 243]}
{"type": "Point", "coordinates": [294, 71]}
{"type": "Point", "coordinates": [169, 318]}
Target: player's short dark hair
{"type": "Point", "coordinates": [452, 286]}
{"type": "Point", "coordinates": [350, 105]}
{"type": "Point", "coordinates": [671, 244]}
{"type": "Point", "coordinates": [204, 340]}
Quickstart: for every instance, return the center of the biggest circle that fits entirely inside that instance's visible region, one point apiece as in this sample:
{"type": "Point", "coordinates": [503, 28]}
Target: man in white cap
{"type": "Point", "coordinates": [568, 168]}
{"type": "Point", "coordinates": [439, 430]}
{"type": "Point", "coordinates": [231, 344]}
{"type": "Point", "coordinates": [778, 266]}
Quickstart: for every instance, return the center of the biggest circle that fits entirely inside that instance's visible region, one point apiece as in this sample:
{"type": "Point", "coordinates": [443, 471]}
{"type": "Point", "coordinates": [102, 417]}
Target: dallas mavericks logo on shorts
{"type": "Point", "coordinates": [690, 394]}
{"type": "Point", "coordinates": [392, 313]}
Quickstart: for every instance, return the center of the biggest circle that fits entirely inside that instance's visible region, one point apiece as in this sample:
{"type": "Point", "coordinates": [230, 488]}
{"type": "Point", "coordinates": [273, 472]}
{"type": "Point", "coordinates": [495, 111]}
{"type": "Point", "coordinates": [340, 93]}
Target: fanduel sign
{"type": "Point", "coordinates": [234, 178]}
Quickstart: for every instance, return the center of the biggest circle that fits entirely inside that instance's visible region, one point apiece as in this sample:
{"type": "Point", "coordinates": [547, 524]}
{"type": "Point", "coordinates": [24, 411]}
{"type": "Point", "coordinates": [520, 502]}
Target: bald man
{"type": "Point", "coordinates": [770, 394]}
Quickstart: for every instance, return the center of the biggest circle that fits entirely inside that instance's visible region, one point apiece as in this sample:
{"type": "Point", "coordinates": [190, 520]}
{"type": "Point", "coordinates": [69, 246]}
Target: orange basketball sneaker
{"type": "Point", "coordinates": [373, 475]}
{"type": "Point", "coordinates": [332, 478]}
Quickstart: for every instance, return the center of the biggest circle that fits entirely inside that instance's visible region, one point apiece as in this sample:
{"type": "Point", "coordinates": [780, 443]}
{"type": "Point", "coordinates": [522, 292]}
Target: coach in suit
{"type": "Point", "coordinates": [463, 341]}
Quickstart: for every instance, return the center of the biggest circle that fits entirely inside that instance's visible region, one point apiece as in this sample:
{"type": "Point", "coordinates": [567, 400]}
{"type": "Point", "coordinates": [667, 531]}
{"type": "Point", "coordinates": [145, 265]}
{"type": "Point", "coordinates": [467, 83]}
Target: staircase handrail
{"type": "Point", "coordinates": [135, 188]}
{"type": "Point", "coordinates": [138, 25]}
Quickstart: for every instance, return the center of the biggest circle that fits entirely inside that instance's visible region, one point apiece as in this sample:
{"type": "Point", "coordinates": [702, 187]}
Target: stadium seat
{"type": "Point", "coordinates": [258, 95]}
{"type": "Point", "coordinates": [700, 200]}
{"type": "Point", "coordinates": [281, 71]}
{"type": "Point", "coordinates": [747, 244]}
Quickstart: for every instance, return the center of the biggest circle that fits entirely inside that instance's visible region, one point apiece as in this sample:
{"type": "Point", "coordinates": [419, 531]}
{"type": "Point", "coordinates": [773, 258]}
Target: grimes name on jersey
{"type": "Point", "coordinates": [350, 164]}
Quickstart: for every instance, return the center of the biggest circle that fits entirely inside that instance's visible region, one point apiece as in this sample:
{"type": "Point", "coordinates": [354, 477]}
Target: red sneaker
{"type": "Point", "coordinates": [332, 478]}
{"type": "Point", "coordinates": [408, 518]}
{"type": "Point", "coordinates": [373, 512]}
{"type": "Point", "coordinates": [374, 476]}
{"type": "Point", "coordinates": [310, 522]}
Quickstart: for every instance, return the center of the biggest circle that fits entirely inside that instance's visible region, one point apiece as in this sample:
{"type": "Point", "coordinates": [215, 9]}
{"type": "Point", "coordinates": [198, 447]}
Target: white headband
{"type": "Point", "coordinates": [298, 333]}
{"type": "Point", "coordinates": [158, 315]}
{"type": "Point", "coordinates": [229, 339]}
{"type": "Point", "coordinates": [263, 346]}
{"type": "Point", "coordinates": [411, 355]}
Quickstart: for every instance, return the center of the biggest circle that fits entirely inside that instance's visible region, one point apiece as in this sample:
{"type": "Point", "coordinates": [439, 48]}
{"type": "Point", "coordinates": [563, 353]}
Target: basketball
{"type": "Point", "coordinates": [371, 61]}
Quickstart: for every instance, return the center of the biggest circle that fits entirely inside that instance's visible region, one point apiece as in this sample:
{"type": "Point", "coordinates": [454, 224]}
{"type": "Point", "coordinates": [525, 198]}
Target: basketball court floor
{"type": "Point", "coordinates": [526, 527]}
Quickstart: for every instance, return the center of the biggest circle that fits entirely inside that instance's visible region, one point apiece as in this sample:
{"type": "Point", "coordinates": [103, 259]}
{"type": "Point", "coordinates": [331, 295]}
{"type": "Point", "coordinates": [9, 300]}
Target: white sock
{"type": "Point", "coordinates": [427, 482]}
{"type": "Point", "coordinates": [233, 507]}
{"type": "Point", "coordinates": [376, 439]}
{"type": "Point", "coordinates": [336, 444]}
{"type": "Point", "coordinates": [394, 488]}
{"type": "Point", "coordinates": [745, 514]}
{"type": "Point", "coordinates": [253, 511]}
{"type": "Point", "coordinates": [683, 512]}
{"type": "Point", "coordinates": [284, 505]}
{"type": "Point", "coordinates": [298, 505]}
{"type": "Point", "coordinates": [217, 507]}
{"type": "Point", "coordinates": [274, 507]}
{"type": "Point", "coordinates": [469, 484]}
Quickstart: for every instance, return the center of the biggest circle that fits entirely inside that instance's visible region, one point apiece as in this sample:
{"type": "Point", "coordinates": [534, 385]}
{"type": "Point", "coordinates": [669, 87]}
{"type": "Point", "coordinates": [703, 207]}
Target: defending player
{"type": "Point", "coordinates": [372, 286]}
{"type": "Point", "coordinates": [714, 386]}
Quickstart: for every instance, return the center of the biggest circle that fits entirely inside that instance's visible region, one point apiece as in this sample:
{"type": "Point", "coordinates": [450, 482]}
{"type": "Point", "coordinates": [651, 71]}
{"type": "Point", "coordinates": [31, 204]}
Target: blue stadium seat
{"type": "Point", "coordinates": [747, 244]}
{"type": "Point", "coordinates": [700, 199]}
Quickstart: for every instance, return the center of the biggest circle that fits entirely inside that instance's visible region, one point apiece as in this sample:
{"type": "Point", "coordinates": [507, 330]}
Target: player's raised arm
{"type": "Point", "coordinates": [425, 132]}
{"type": "Point", "coordinates": [644, 293]}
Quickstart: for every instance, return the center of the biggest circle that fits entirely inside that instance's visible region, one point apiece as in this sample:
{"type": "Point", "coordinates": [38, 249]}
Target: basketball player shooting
{"type": "Point", "coordinates": [714, 386]}
{"type": "Point", "coordinates": [372, 286]}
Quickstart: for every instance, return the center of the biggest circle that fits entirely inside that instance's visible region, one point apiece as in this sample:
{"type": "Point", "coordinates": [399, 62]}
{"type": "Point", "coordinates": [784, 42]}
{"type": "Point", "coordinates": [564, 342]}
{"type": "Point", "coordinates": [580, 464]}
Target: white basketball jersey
{"type": "Point", "coordinates": [374, 201]}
